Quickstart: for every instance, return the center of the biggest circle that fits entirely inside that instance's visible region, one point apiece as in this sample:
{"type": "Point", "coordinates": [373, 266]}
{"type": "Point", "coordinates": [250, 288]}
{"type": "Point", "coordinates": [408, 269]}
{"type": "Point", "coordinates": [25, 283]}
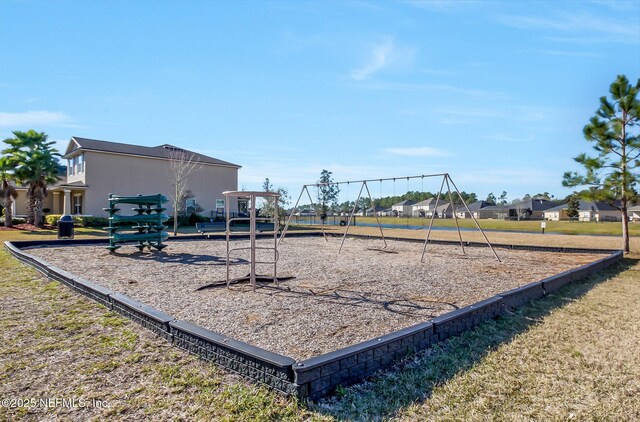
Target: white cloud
{"type": "Point", "coordinates": [379, 59]}
{"type": "Point", "coordinates": [522, 113]}
{"type": "Point", "coordinates": [33, 118]}
{"type": "Point", "coordinates": [584, 54]}
{"type": "Point", "coordinates": [524, 177]}
{"type": "Point", "coordinates": [579, 22]}
{"type": "Point", "coordinates": [30, 100]}
{"type": "Point", "coordinates": [616, 5]}
{"type": "Point", "coordinates": [416, 152]}
{"type": "Point", "coordinates": [443, 5]}
{"type": "Point", "coordinates": [384, 55]}
{"type": "Point", "coordinates": [430, 87]}
{"type": "Point", "coordinates": [502, 137]}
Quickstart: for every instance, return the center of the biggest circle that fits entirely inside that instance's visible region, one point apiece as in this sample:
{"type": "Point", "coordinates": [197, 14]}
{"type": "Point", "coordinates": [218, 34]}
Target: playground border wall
{"type": "Point", "coordinates": [318, 376]}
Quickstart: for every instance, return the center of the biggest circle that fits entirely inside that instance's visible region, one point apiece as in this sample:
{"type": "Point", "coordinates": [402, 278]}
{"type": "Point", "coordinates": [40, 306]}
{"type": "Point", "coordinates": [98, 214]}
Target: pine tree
{"type": "Point", "coordinates": [327, 193]}
{"type": "Point", "coordinates": [573, 207]}
{"type": "Point", "coordinates": [612, 173]}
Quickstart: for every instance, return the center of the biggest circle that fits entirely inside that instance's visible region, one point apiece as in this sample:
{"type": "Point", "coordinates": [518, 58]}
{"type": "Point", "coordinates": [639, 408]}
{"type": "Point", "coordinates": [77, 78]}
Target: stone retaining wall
{"type": "Point", "coordinates": [318, 376]}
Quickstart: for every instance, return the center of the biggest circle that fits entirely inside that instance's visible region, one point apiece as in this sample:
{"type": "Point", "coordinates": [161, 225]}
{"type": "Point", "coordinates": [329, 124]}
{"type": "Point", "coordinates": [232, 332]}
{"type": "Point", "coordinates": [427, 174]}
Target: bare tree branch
{"type": "Point", "coordinates": [181, 165]}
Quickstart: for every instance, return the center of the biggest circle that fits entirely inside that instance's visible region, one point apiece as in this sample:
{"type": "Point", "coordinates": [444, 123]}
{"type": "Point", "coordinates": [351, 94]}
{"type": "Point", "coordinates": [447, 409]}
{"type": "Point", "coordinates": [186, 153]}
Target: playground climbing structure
{"type": "Point", "coordinates": [145, 228]}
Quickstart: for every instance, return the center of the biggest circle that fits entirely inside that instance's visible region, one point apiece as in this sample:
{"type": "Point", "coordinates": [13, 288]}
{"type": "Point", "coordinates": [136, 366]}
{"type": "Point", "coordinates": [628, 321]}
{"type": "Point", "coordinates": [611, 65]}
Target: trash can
{"type": "Point", "coordinates": [65, 227]}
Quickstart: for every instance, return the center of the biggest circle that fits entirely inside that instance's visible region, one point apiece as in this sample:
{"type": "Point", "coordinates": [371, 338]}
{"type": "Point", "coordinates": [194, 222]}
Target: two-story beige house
{"type": "Point", "coordinates": [97, 168]}
{"type": "Point", "coordinates": [402, 208]}
{"type": "Point", "coordinates": [425, 208]}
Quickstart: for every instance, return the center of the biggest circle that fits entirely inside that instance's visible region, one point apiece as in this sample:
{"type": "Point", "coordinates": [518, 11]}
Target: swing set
{"type": "Point", "coordinates": [446, 179]}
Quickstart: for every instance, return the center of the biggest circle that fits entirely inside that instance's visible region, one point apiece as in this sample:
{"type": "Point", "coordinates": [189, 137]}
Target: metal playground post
{"type": "Point", "coordinates": [252, 219]}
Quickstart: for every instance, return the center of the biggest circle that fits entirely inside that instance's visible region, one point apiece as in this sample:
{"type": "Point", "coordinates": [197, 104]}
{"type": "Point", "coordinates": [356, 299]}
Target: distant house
{"type": "Point", "coordinates": [531, 209]}
{"type": "Point", "coordinates": [306, 213]}
{"type": "Point", "coordinates": [587, 211]}
{"type": "Point", "coordinates": [474, 208]}
{"type": "Point", "coordinates": [497, 212]}
{"type": "Point", "coordinates": [403, 208]}
{"type": "Point", "coordinates": [634, 213]}
{"type": "Point", "coordinates": [360, 212]}
{"type": "Point", "coordinates": [387, 212]}
{"type": "Point", "coordinates": [97, 168]}
{"type": "Point", "coordinates": [444, 211]}
{"type": "Point", "coordinates": [374, 211]}
{"type": "Point", "coordinates": [424, 208]}
{"type": "Point", "coordinates": [558, 213]}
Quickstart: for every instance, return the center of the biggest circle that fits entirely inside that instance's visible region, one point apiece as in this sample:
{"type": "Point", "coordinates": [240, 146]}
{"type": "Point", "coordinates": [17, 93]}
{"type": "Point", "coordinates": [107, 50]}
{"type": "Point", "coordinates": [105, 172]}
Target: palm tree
{"type": "Point", "coordinates": [36, 165]}
{"type": "Point", "coordinates": [8, 192]}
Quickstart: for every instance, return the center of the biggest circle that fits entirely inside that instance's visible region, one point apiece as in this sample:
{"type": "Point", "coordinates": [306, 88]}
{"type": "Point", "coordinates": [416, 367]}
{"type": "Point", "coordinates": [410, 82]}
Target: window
{"type": "Point", "coordinates": [75, 165]}
{"type": "Point", "coordinates": [77, 203]}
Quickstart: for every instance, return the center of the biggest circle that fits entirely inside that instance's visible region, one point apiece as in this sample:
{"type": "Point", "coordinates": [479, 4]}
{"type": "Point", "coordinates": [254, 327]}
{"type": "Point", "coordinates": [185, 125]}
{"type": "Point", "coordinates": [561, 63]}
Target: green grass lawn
{"type": "Point", "coordinates": [570, 356]}
{"type": "Point", "coordinates": [565, 227]}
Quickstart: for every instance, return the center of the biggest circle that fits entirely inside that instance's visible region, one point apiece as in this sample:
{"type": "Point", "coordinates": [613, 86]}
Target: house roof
{"type": "Point", "coordinates": [426, 202]}
{"type": "Point", "coordinates": [404, 203]}
{"type": "Point", "coordinates": [586, 206]}
{"type": "Point", "coordinates": [375, 209]}
{"type": "Point", "coordinates": [558, 208]}
{"type": "Point", "coordinates": [446, 206]}
{"type": "Point", "coordinates": [477, 206]}
{"type": "Point", "coordinates": [162, 151]}
{"type": "Point", "coordinates": [534, 204]}
{"type": "Point", "coordinates": [496, 208]}
{"type": "Point", "coordinates": [72, 185]}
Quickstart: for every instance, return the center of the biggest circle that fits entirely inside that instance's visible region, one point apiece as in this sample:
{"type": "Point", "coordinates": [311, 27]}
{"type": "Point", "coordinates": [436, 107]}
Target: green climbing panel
{"type": "Point", "coordinates": [148, 228]}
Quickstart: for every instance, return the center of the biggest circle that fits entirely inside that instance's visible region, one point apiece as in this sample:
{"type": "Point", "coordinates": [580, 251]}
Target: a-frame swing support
{"type": "Point", "coordinates": [446, 179]}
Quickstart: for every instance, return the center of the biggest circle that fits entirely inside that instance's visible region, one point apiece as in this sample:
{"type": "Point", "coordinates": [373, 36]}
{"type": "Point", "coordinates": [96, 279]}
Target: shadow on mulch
{"type": "Point", "coordinates": [412, 307]}
{"type": "Point", "coordinates": [459, 354]}
{"type": "Point", "coordinates": [179, 258]}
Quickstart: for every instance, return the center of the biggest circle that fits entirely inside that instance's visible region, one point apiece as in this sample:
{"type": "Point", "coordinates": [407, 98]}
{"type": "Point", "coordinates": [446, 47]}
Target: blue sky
{"type": "Point", "coordinates": [495, 93]}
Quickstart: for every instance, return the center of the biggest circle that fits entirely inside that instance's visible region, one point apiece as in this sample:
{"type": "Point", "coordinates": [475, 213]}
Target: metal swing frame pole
{"type": "Point", "coordinates": [355, 204]}
{"type": "Point", "coordinates": [286, 226]}
{"type": "Point", "coordinates": [455, 216]}
{"type": "Point", "coordinates": [433, 216]}
{"type": "Point", "coordinates": [446, 179]}
{"type": "Point", "coordinates": [252, 239]}
{"type": "Point", "coordinates": [475, 221]}
{"type": "Point", "coordinates": [376, 214]}
{"type": "Point", "coordinates": [377, 180]}
{"type": "Point", "coordinates": [227, 209]}
{"type": "Point", "coordinates": [321, 225]}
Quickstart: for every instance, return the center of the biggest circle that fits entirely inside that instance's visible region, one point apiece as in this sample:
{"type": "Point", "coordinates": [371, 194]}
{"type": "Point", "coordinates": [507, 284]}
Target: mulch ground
{"type": "Point", "coordinates": [330, 301]}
